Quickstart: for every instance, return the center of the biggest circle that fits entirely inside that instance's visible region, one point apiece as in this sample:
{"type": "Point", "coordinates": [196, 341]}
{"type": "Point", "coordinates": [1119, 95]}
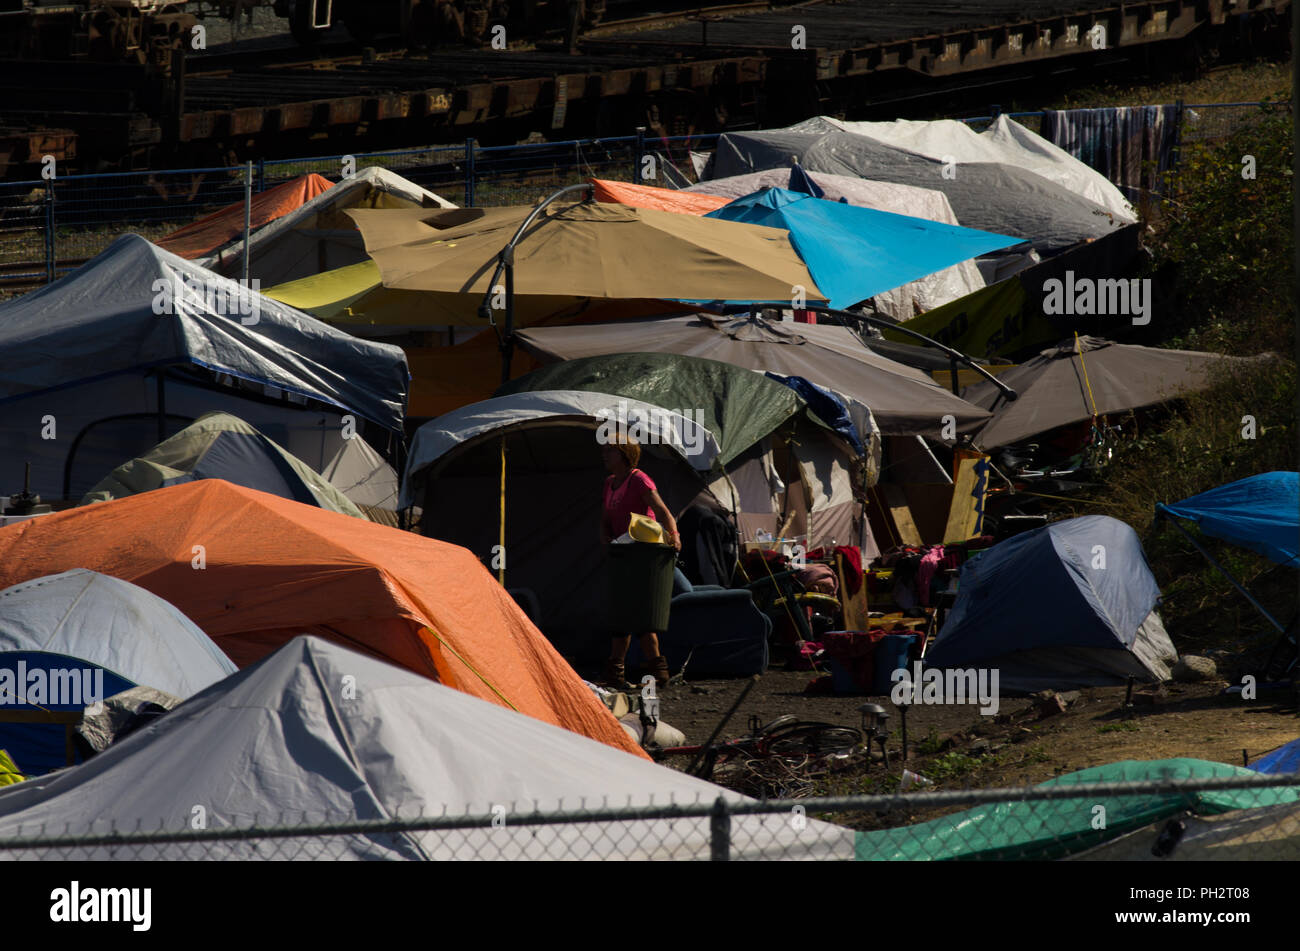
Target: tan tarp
{"type": "Point", "coordinates": [902, 399]}
{"type": "Point", "coordinates": [1069, 384]}
{"type": "Point", "coordinates": [585, 250]}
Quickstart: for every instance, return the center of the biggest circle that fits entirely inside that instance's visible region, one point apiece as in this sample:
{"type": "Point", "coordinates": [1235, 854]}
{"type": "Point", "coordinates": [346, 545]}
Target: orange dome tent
{"type": "Point", "coordinates": [269, 569]}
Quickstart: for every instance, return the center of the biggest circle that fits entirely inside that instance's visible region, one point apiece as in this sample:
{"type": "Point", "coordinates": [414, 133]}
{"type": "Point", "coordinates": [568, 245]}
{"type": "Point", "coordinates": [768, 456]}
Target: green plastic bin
{"type": "Point", "coordinates": [640, 586]}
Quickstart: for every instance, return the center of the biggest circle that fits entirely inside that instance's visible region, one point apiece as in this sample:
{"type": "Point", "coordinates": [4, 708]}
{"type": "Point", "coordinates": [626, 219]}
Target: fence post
{"type": "Point", "coordinates": [261, 175]}
{"type": "Point", "coordinates": [248, 214]}
{"type": "Point", "coordinates": [469, 173]}
{"type": "Point", "coordinates": [637, 159]}
{"type": "Point", "coordinates": [1175, 153]}
{"type": "Point", "coordinates": [49, 231]}
{"type": "Point", "coordinates": [720, 832]}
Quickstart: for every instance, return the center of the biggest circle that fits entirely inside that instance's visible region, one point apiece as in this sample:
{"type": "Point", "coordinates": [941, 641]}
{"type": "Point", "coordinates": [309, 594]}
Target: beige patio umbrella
{"type": "Point", "coordinates": [585, 249]}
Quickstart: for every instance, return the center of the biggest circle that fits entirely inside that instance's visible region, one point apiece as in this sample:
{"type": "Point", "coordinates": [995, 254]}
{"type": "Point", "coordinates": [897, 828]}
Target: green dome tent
{"type": "Point", "coordinates": [220, 446]}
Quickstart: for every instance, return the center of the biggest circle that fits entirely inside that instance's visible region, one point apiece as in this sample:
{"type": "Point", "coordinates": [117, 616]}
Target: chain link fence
{"type": "Point", "coordinates": [1233, 817]}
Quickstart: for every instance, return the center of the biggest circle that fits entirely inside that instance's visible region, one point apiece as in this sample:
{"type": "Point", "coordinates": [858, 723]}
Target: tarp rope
{"type": "Point", "coordinates": [501, 550]}
{"type": "Point", "coordinates": [885, 518]}
{"type": "Point", "coordinates": [474, 670]}
{"type": "Point", "coordinates": [1087, 384]}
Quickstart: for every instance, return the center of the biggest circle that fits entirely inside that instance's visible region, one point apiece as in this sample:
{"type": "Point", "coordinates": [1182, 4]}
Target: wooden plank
{"type": "Point", "coordinates": [857, 616]}
{"type": "Point", "coordinates": [966, 516]}
{"type": "Point", "coordinates": [896, 503]}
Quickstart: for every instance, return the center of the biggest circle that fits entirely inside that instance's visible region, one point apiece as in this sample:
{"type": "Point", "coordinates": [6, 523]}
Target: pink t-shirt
{"type": "Point", "coordinates": [620, 503]}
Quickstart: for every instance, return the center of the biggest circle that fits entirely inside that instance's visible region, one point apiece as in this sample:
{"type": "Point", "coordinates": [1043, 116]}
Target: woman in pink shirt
{"type": "Point", "coordinates": [630, 491]}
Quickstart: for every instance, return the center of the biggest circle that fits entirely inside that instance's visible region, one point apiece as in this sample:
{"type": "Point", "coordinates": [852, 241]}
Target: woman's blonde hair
{"type": "Point", "coordinates": [628, 449]}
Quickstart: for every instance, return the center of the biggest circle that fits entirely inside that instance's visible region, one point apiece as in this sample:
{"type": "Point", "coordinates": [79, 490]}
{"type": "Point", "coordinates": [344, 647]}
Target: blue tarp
{"type": "Point", "coordinates": [800, 182]}
{"type": "Point", "coordinates": [1260, 512]}
{"type": "Point", "coordinates": [829, 408]}
{"type": "Point", "coordinates": [1079, 583]}
{"type": "Point", "coordinates": [1281, 761]}
{"type": "Point", "coordinates": [854, 253]}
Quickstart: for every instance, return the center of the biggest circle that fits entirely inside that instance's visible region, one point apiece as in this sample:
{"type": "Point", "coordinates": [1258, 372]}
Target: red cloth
{"type": "Point", "coordinates": [852, 565]}
{"type": "Point", "coordinates": [752, 563]}
{"type": "Point", "coordinates": [621, 503]}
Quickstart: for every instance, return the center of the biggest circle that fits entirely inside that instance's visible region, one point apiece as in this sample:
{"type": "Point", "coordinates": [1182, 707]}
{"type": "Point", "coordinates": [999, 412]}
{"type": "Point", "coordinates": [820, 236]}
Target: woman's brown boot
{"type": "Point", "coordinates": [659, 667]}
{"type": "Point", "coordinates": [615, 675]}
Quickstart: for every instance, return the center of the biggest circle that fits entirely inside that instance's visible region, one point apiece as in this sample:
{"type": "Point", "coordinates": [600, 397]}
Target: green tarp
{"type": "Point", "coordinates": [740, 406]}
{"type": "Point", "coordinates": [1051, 829]}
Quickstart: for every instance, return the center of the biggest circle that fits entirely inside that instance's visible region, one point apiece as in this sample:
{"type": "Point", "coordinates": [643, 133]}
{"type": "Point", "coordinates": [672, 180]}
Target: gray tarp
{"type": "Point", "coordinates": [902, 399]}
{"type": "Point", "coordinates": [990, 196]}
{"type": "Point", "coordinates": [278, 743]}
{"type": "Point", "coordinates": [120, 313]}
{"type": "Point", "coordinates": [83, 350]}
{"type": "Point", "coordinates": [1054, 386]}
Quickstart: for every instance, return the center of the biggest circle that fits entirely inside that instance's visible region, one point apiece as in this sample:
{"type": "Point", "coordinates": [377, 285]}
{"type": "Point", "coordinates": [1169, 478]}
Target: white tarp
{"type": "Point", "coordinates": [114, 624]}
{"type": "Point", "coordinates": [288, 742]}
{"type": "Point", "coordinates": [1005, 141]}
{"type": "Point", "coordinates": [666, 426]}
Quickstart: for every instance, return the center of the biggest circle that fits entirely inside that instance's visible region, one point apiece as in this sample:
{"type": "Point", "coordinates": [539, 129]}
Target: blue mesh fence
{"type": "Point", "coordinates": [50, 228]}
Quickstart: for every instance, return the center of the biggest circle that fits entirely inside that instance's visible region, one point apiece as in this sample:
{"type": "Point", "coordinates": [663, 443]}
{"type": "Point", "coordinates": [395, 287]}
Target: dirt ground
{"type": "Point", "coordinates": [957, 747]}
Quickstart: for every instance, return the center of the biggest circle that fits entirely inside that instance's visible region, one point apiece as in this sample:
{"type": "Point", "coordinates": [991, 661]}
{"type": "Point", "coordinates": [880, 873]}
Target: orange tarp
{"type": "Point", "coordinates": [212, 231]}
{"type": "Point", "coordinates": [273, 569]}
{"type": "Point", "coordinates": [661, 199]}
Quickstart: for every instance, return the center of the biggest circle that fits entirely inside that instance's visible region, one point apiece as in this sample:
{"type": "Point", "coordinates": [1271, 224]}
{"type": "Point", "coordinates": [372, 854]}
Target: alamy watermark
{"type": "Point", "coordinates": [930, 686]}
{"type": "Point", "coordinates": [1089, 297]}
{"type": "Point", "coordinates": [52, 686]}
{"type": "Point", "coordinates": [225, 298]}
{"type": "Point", "coordinates": [651, 425]}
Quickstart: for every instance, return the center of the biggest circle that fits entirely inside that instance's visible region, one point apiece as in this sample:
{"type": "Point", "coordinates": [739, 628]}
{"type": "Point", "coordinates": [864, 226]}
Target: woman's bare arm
{"type": "Point", "coordinates": [653, 499]}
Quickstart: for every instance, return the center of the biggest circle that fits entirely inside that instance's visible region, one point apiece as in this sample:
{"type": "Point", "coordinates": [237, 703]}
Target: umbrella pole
{"type": "Point", "coordinates": [506, 263]}
{"type": "Point", "coordinates": [1173, 520]}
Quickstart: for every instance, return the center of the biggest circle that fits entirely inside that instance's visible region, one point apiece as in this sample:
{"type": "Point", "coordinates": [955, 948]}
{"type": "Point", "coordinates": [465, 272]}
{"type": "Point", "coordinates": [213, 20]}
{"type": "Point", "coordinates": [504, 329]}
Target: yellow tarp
{"type": "Point", "coordinates": [9, 771]}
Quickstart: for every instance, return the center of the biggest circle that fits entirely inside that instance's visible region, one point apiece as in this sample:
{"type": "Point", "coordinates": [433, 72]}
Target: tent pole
{"type": "Point", "coordinates": [162, 407]}
{"type": "Point", "coordinates": [1173, 519]}
{"type": "Point", "coordinates": [508, 342]}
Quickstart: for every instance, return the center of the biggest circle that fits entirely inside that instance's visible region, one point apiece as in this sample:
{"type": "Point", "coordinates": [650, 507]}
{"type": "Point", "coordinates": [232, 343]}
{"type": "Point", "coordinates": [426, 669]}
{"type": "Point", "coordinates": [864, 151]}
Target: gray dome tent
{"type": "Point", "coordinates": [1071, 604]}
